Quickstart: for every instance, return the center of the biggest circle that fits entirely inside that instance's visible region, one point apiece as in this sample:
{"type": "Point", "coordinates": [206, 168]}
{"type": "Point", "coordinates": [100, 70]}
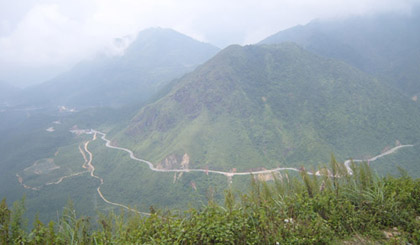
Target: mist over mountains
{"type": "Point", "coordinates": [386, 46]}
{"type": "Point", "coordinates": [346, 87]}
{"type": "Point", "coordinates": [155, 58]}
{"type": "Point", "coordinates": [7, 91]}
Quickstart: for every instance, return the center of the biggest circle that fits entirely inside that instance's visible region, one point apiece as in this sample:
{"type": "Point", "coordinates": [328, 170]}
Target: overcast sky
{"type": "Point", "coordinates": [39, 38]}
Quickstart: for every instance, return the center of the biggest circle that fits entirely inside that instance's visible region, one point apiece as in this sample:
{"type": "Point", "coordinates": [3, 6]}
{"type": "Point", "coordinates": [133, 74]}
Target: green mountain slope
{"type": "Point", "coordinates": [156, 57]}
{"type": "Point", "coordinates": [265, 106]}
{"type": "Point", "coordinates": [386, 46]}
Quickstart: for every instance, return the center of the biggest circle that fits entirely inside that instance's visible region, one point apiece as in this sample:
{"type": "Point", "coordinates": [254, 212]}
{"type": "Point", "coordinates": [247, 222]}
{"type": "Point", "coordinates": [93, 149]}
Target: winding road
{"type": "Point", "coordinates": [230, 174]}
{"type": "Point", "coordinates": [88, 158]}
{"type": "Point", "coordinates": [392, 150]}
{"type": "Point", "coordinates": [91, 169]}
{"type": "Point", "coordinates": [56, 182]}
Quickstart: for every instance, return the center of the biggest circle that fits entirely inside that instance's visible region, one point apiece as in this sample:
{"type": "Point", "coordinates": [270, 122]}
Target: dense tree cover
{"type": "Point", "coordinates": [253, 106]}
{"type": "Point", "coordinates": [24, 141]}
{"type": "Point", "coordinates": [269, 106]}
{"type": "Point", "coordinates": [359, 208]}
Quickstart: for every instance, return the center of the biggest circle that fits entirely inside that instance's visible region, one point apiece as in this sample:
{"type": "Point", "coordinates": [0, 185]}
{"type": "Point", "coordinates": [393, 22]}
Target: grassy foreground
{"type": "Point", "coordinates": [361, 208]}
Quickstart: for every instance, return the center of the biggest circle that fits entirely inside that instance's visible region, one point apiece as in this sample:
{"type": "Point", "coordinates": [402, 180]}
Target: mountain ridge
{"type": "Point", "coordinates": [270, 104]}
{"type": "Point", "coordinates": [385, 46]}
{"type": "Point", "coordinates": [156, 57]}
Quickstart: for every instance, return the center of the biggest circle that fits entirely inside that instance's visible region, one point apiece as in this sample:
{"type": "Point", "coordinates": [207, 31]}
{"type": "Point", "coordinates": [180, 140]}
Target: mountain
{"type": "Point", "coordinates": [156, 57]}
{"type": "Point", "coordinates": [386, 45]}
{"type": "Point", "coordinates": [270, 105]}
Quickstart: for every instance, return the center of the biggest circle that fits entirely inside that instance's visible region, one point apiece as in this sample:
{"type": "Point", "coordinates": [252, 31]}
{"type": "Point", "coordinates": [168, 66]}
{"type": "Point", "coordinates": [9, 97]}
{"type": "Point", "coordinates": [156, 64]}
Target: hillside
{"type": "Point", "coordinates": [155, 58]}
{"type": "Point", "coordinates": [270, 105]}
{"type": "Point", "coordinates": [383, 45]}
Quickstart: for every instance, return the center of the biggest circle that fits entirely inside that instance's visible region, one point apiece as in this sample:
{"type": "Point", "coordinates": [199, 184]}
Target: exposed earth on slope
{"type": "Point", "coordinates": [270, 106]}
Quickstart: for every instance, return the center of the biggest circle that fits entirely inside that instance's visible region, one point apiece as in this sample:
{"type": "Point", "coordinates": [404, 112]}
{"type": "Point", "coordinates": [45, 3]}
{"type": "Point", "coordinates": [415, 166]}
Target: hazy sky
{"type": "Point", "coordinates": [39, 38]}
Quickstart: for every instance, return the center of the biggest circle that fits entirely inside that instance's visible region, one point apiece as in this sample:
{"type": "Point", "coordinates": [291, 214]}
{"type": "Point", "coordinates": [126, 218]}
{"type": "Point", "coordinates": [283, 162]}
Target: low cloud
{"type": "Point", "coordinates": [59, 33]}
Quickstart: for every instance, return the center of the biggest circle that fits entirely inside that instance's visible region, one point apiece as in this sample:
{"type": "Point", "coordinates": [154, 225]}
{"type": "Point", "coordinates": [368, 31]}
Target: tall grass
{"type": "Point", "coordinates": [330, 208]}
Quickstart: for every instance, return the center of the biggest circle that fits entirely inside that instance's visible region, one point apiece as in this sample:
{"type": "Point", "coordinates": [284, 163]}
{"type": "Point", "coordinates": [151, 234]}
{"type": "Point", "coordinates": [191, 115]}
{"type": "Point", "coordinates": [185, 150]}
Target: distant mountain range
{"type": "Point", "coordinates": [271, 105]}
{"type": "Point", "coordinates": [386, 46]}
{"type": "Point", "coordinates": [346, 87]}
{"type": "Point", "coordinates": [155, 58]}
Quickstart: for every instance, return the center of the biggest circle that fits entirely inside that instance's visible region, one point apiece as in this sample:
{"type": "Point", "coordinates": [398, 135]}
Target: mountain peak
{"type": "Point", "coordinates": [152, 60]}
{"type": "Point", "coordinates": [382, 45]}
{"type": "Point", "coordinates": [270, 105]}
{"type": "Point", "coordinates": [165, 38]}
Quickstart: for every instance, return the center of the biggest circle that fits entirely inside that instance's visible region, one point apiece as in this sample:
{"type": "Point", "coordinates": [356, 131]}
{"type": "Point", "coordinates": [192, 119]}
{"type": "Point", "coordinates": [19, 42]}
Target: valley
{"type": "Point", "coordinates": [266, 174]}
{"type": "Point", "coordinates": [318, 124]}
{"type": "Point", "coordinates": [212, 131]}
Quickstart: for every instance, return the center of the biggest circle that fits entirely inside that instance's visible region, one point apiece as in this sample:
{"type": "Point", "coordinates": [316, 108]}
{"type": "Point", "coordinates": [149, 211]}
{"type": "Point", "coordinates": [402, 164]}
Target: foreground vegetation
{"type": "Point", "coordinates": [361, 208]}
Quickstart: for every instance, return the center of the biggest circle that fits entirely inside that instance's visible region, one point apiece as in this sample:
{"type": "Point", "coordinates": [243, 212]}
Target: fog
{"type": "Point", "coordinates": [41, 38]}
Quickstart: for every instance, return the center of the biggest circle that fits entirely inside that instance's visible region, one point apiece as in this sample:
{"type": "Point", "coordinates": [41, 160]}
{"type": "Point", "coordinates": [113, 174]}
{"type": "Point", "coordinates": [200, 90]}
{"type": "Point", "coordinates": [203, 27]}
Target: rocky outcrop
{"type": "Point", "coordinates": [174, 161]}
